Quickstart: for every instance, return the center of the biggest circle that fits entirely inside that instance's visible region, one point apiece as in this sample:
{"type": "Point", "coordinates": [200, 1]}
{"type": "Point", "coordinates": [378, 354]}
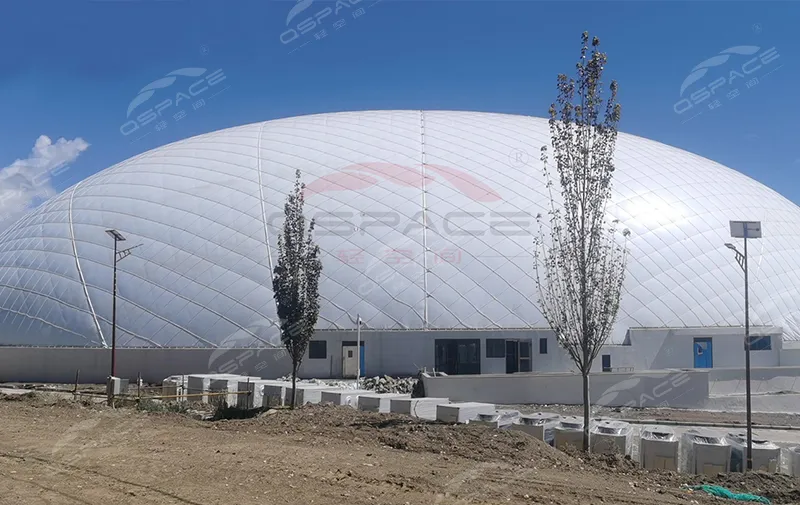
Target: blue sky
{"type": "Point", "coordinates": [70, 69]}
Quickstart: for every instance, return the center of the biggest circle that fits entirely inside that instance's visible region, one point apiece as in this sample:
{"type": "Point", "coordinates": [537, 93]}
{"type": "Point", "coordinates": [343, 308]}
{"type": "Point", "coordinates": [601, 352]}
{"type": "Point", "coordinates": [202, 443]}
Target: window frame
{"type": "Point", "coordinates": [501, 342]}
{"type": "Point", "coordinates": [765, 342]}
{"type": "Point", "coordinates": [312, 346]}
{"type": "Point", "coordinates": [543, 345]}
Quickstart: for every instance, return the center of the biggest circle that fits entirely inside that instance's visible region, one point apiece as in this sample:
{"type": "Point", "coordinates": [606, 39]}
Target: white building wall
{"type": "Point", "coordinates": [657, 348]}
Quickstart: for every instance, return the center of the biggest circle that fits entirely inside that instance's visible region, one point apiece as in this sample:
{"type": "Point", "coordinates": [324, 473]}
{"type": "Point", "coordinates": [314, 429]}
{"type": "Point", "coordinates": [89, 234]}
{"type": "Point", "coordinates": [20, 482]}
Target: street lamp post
{"type": "Point", "coordinates": [745, 230]}
{"type": "Point", "coordinates": [358, 352]}
{"type": "Point", "coordinates": [118, 255]}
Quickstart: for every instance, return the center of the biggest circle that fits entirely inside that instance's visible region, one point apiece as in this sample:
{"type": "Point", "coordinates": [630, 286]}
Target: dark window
{"type": "Point", "coordinates": [318, 349]}
{"type": "Point", "coordinates": [525, 349]}
{"type": "Point", "coordinates": [495, 348]}
{"type": "Point", "coordinates": [349, 354]}
{"type": "Point", "coordinates": [458, 356]}
{"type": "Point", "coordinates": [761, 343]}
{"type": "Point", "coordinates": [606, 358]}
{"type": "Point", "coordinates": [542, 346]}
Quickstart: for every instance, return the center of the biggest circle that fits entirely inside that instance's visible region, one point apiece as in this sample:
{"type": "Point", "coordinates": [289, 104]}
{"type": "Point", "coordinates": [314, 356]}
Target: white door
{"type": "Point", "coordinates": [349, 361]}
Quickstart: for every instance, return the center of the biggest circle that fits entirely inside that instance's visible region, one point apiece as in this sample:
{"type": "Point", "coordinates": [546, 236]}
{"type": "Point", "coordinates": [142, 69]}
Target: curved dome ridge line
{"type": "Point", "coordinates": [423, 163]}
{"type": "Point", "coordinates": [80, 271]}
{"type": "Point", "coordinates": [261, 201]}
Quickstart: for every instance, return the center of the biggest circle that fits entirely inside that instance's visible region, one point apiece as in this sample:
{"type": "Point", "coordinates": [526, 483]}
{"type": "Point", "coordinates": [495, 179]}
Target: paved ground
{"type": "Point", "coordinates": [56, 451]}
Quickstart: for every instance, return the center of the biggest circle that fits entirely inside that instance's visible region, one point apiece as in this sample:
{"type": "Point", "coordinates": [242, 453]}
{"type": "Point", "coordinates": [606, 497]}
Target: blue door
{"type": "Point", "coordinates": [703, 355]}
{"type": "Point", "coordinates": [361, 360]}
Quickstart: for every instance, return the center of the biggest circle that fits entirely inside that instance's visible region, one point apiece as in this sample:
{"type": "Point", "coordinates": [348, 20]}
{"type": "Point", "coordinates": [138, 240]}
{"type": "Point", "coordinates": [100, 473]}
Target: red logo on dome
{"type": "Point", "coordinates": [366, 175]}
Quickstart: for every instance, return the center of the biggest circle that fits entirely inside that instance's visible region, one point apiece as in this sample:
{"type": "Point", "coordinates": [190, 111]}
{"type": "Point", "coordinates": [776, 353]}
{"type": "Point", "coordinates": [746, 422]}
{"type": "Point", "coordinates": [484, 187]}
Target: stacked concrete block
{"type": "Point", "coordinates": [255, 388]}
{"type": "Point", "coordinates": [305, 394]}
{"type": "Point", "coordinates": [378, 402]}
{"type": "Point", "coordinates": [227, 384]}
{"type": "Point", "coordinates": [422, 408]}
{"type": "Point", "coordinates": [200, 384]}
{"type": "Point", "coordinates": [462, 412]}
{"type": "Point", "coordinates": [343, 396]}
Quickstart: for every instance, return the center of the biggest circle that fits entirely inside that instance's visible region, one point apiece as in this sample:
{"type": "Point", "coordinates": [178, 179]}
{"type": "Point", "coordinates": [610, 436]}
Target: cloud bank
{"type": "Point", "coordinates": [27, 182]}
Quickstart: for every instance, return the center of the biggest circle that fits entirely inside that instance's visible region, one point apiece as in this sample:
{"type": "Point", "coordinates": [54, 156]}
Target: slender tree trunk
{"type": "Point", "coordinates": [586, 404]}
{"type": "Point", "coordinates": [294, 381]}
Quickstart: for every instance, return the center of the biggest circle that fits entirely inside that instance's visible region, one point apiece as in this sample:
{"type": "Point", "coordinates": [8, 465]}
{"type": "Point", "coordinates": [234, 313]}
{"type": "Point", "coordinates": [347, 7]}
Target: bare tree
{"type": "Point", "coordinates": [295, 280]}
{"type": "Point", "coordinates": [580, 269]}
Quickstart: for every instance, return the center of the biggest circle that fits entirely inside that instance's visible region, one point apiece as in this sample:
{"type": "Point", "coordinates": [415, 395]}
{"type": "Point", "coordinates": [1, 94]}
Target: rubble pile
{"type": "Point", "coordinates": [334, 384]}
{"type": "Point", "coordinates": [386, 384]}
{"type": "Point", "coordinates": [379, 384]}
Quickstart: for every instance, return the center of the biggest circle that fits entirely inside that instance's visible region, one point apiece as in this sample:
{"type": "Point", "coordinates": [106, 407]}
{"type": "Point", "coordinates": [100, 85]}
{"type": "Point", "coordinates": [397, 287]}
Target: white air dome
{"type": "Point", "coordinates": [207, 211]}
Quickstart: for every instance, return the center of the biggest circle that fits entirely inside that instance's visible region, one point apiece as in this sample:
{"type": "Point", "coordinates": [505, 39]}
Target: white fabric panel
{"type": "Point", "coordinates": [382, 185]}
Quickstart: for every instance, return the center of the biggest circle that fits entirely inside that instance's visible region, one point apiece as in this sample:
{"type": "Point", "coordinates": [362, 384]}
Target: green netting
{"type": "Point", "coordinates": [727, 493]}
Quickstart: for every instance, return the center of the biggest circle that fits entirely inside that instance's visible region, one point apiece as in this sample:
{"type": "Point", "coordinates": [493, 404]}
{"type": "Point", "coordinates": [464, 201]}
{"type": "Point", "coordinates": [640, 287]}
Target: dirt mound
{"type": "Point", "coordinates": [477, 443]}
{"type": "Point", "coordinates": [24, 397]}
{"type": "Point", "coordinates": [616, 462]}
{"type": "Point", "coordinates": [779, 488]}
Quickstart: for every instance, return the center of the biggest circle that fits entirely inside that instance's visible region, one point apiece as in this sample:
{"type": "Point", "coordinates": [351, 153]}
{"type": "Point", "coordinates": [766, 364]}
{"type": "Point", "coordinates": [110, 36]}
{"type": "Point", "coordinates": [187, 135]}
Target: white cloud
{"type": "Point", "coordinates": [27, 182]}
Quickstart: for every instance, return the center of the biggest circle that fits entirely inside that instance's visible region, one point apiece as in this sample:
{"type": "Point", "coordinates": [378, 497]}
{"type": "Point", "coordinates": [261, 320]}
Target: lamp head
{"type": "Point", "coordinates": [117, 236]}
{"type": "Point", "coordinates": [730, 246]}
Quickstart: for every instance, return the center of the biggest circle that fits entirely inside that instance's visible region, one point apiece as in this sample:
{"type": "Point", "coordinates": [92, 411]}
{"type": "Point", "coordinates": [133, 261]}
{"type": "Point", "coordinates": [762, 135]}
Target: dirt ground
{"type": "Point", "coordinates": [64, 452]}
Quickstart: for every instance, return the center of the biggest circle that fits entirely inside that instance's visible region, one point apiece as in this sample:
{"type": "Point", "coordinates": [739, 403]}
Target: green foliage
{"type": "Point", "coordinates": [295, 281]}
{"type": "Point", "coordinates": [579, 263]}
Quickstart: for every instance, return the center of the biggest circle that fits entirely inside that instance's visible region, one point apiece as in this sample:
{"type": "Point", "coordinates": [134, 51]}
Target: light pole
{"type": "Point", "coordinates": [118, 255]}
{"type": "Point", "coordinates": [745, 230]}
{"type": "Point", "coordinates": [358, 352]}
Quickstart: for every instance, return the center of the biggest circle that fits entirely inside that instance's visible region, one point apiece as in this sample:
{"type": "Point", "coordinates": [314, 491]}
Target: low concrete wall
{"type": "Point", "coordinates": [790, 354]}
{"type": "Point", "coordinates": [672, 388]}
{"type": "Point", "coordinates": [731, 381]}
{"type": "Point", "coordinates": [59, 364]}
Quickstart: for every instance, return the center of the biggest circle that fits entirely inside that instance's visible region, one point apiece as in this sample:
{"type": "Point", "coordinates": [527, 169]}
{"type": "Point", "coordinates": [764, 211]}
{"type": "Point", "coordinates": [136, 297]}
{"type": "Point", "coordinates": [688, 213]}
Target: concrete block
{"type": "Point", "coordinates": [117, 386]}
{"type": "Point", "coordinates": [199, 384]}
{"type": "Point", "coordinates": [343, 396]}
{"type": "Point", "coordinates": [273, 394]}
{"type": "Point", "coordinates": [423, 408]}
{"type": "Point", "coordinates": [174, 385]}
{"type": "Point", "coordinates": [230, 385]}
{"type": "Point", "coordinates": [254, 400]}
{"type": "Point", "coordinates": [378, 402]}
{"type": "Point", "coordinates": [462, 412]}
{"type": "Point", "coordinates": [310, 393]}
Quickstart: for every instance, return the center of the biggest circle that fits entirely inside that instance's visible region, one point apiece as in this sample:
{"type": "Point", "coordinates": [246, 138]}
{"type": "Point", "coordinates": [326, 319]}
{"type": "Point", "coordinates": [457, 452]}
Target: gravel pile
{"type": "Point", "coordinates": [386, 384]}
{"type": "Point", "coordinates": [337, 384]}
